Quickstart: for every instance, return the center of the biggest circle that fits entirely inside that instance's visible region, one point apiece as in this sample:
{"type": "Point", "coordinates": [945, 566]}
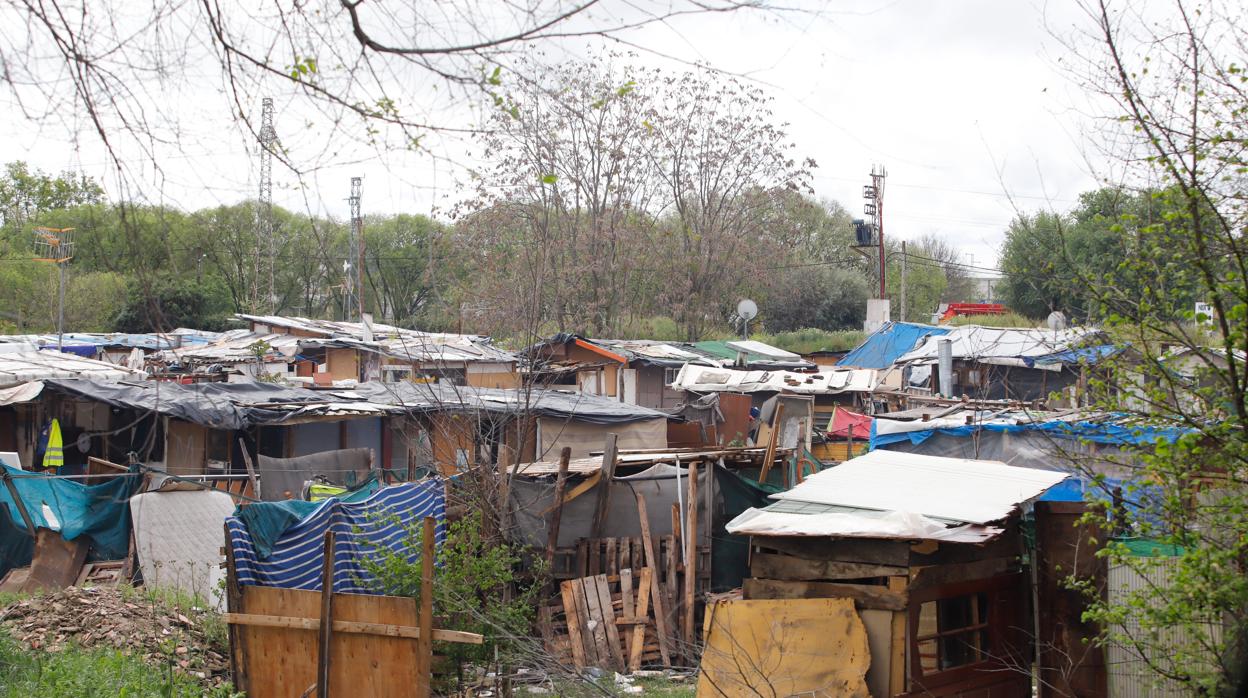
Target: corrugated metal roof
{"type": "Point", "coordinates": [592, 464]}
{"type": "Point", "coordinates": [396, 342]}
{"type": "Point", "coordinates": [23, 366]}
{"type": "Point", "coordinates": [956, 489]}
{"type": "Point", "coordinates": [991, 343]}
{"type": "Point", "coordinates": [710, 379]}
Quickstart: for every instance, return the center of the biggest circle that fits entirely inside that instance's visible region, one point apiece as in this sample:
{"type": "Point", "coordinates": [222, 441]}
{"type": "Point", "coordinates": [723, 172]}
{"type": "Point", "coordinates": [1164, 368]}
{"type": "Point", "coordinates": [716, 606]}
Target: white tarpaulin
{"type": "Point", "coordinates": [996, 345]}
{"type": "Point", "coordinates": [178, 537]}
{"type": "Point", "coordinates": [955, 489]}
{"type": "Point", "coordinates": [856, 524]}
{"type": "Point", "coordinates": [22, 392]}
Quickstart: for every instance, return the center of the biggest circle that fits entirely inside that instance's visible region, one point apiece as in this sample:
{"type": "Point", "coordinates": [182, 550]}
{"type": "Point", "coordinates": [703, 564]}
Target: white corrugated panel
{"type": "Point", "coordinates": [974, 342]}
{"type": "Point", "coordinates": [956, 489]}
{"type": "Point", "coordinates": [1129, 674]}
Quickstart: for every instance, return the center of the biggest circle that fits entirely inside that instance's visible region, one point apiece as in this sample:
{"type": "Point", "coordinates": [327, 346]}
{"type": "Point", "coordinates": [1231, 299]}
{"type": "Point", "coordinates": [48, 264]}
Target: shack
{"type": "Point", "coordinates": [931, 553]}
{"type": "Point", "coordinates": [465, 425]}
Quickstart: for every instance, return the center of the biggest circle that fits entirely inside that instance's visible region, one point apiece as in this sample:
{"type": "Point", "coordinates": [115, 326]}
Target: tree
{"type": "Point", "coordinates": [173, 303]}
{"type": "Point", "coordinates": [25, 194]}
{"type": "Point", "coordinates": [721, 158]}
{"type": "Point", "coordinates": [1178, 115]}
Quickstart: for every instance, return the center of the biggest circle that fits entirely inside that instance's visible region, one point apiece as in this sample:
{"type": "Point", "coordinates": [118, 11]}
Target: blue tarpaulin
{"type": "Point", "coordinates": [267, 521]}
{"type": "Point", "coordinates": [101, 512]}
{"type": "Point", "coordinates": [1094, 432]}
{"type": "Point", "coordinates": [382, 521]}
{"type": "Point", "coordinates": [888, 343]}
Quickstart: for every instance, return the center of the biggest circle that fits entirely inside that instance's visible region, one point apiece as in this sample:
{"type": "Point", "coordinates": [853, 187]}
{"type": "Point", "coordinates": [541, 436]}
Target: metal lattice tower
{"type": "Point", "coordinates": [353, 300]}
{"type": "Point", "coordinates": [874, 209]}
{"type": "Point", "coordinates": [264, 207]}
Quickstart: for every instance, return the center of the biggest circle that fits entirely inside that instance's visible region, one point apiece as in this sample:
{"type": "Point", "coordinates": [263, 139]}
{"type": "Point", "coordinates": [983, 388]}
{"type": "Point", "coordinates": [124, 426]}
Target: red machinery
{"type": "Point", "coordinates": [964, 309]}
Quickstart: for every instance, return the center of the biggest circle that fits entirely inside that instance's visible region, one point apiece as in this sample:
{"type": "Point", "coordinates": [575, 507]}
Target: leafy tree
{"type": "Point", "coordinates": [25, 194]}
{"type": "Point", "coordinates": [169, 304]}
{"type": "Point", "coordinates": [1176, 88]}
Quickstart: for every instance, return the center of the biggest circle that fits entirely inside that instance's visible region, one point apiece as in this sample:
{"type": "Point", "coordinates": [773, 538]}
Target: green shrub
{"type": "Point", "coordinates": [476, 590]}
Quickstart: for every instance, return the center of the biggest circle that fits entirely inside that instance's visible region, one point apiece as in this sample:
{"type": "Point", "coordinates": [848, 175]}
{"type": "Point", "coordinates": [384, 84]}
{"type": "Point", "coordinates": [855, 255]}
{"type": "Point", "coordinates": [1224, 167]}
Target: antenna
{"type": "Point", "coordinates": [56, 245]}
{"type": "Point", "coordinates": [354, 267]}
{"type": "Point", "coordinates": [264, 206]}
{"type": "Point", "coordinates": [746, 310]}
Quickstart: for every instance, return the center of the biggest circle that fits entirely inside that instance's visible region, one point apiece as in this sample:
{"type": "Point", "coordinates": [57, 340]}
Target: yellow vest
{"type": "Point", "coordinates": [54, 456]}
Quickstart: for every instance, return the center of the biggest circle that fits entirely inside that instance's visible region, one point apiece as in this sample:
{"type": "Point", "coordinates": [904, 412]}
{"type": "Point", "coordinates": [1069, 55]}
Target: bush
{"type": "Point", "coordinates": [476, 589]}
{"type": "Point", "coordinates": [809, 339]}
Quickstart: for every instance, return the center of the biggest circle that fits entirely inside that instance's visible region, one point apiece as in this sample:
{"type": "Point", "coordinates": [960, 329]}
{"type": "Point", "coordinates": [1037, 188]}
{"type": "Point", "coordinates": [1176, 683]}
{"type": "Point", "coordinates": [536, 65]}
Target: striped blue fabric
{"type": "Point", "coordinates": [361, 528]}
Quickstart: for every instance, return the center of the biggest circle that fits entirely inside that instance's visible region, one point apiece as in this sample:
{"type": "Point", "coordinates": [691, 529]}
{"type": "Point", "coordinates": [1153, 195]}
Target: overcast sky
{"type": "Point", "coordinates": [961, 100]}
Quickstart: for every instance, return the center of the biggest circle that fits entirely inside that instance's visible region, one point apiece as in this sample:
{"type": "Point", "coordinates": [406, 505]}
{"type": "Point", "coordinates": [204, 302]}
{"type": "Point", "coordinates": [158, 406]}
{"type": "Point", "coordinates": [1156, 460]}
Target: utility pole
{"type": "Point", "coordinates": [903, 281]}
{"type": "Point", "coordinates": [354, 268]}
{"type": "Point", "coordinates": [267, 137]}
{"type": "Point", "coordinates": [877, 186]}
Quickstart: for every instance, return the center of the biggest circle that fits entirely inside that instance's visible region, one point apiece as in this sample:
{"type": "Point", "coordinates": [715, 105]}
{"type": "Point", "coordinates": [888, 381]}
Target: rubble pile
{"type": "Point", "coordinates": [107, 617]}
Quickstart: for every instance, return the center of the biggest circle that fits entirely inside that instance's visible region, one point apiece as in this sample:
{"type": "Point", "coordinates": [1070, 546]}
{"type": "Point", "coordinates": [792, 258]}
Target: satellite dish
{"type": "Point", "coordinates": [1056, 321]}
{"type": "Point", "coordinates": [747, 309]}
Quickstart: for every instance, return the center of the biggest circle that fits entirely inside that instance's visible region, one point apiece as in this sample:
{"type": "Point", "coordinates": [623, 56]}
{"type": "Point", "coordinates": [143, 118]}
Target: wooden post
{"type": "Point", "coordinates": [17, 502]}
{"type": "Point", "coordinates": [251, 469]}
{"type": "Point", "coordinates": [652, 563]}
{"type": "Point", "coordinates": [326, 630]}
{"type": "Point", "coordinates": [691, 561]}
{"type": "Point", "coordinates": [424, 643]}
{"type": "Point", "coordinates": [561, 483]}
{"type": "Point", "coordinates": [901, 623]}
{"type": "Point", "coordinates": [770, 455]}
{"type": "Point", "coordinates": [609, 453]}
{"type": "Point", "coordinates": [233, 604]}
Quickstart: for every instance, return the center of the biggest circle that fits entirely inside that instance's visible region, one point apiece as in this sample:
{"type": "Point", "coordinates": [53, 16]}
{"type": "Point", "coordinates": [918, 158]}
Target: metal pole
{"type": "Point", "coordinates": [945, 366]}
{"type": "Point", "coordinates": [60, 310]}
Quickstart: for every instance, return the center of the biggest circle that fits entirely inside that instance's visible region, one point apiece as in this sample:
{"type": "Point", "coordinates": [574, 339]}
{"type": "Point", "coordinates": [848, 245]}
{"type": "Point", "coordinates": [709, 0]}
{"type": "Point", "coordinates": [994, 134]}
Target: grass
{"type": "Point", "coordinates": [809, 339]}
{"type": "Point", "coordinates": [660, 686]}
{"type": "Point", "coordinates": [1006, 320]}
{"type": "Point", "coordinates": [82, 673]}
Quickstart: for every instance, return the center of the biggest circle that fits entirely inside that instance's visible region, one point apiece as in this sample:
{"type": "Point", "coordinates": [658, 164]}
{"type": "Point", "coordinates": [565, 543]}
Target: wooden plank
{"type": "Point", "coordinates": [941, 575]}
{"type": "Point", "coordinates": [574, 624]}
{"type": "Point", "coordinates": [587, 630]}
{"type": "Point", "coordinates": [581, 488]}
{"type": "Point", "coordinates": [770, 456]}
{"type": "Point", "coordinates": [691, 561]}
{"type": "Point", "coordinates": [608, 620]}
{"type": "Point", "coordinates": [609, 458]}
{"type": "Point", "coordinates": [233, 604]}
{"type": "Point", "coordinates": [897, 661]}
{"type": "Point", "coordinates": [410, 632]}
{"type": "Point", "coordinates": [672, 560]}
{"type": "Point", "coordinates": [325, 633]}
{"type": "Point", "coordinates": [612, 551]}
{"type": "Point", "coordinates": [424, 643]}
{"type": "Point", "coordinates": [772, 566]}
{"type": "Point", "coordinates": [652, 564]}
{"type": "Point", "coordinates": [561, 483]}
{"type": "Point", "coordinates": [280, 661]}
{"type": "Point", "coordinates": [626, 605]}
{"type": "Point", "coordinates": [582, 559]}
{"type": "Point", "coordinates": [878, 552]}
{"type": "Point", "coordinates": [593, 602]}
{"type": "Point", "coordinates": [251, 469]}
{"type": "Point", "coordinates": [643, 609]}
{"type": "Point", "coordinates": [626, 556]}
{"type": "Point", "coordinates": [864, 596]}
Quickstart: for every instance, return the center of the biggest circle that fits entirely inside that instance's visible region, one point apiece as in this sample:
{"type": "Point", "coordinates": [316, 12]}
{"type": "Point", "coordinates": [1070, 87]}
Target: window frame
{"type": "Point", "coordinates": [1000, 590]}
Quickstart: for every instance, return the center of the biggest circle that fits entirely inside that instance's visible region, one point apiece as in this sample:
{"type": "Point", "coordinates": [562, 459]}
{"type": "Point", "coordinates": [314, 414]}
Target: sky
{"type": "Point", "coordinates": [964, 102]}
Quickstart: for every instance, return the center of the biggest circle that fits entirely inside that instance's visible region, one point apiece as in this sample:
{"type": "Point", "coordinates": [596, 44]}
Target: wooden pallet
{"type": "Point", "coordinates": [604, 621]}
